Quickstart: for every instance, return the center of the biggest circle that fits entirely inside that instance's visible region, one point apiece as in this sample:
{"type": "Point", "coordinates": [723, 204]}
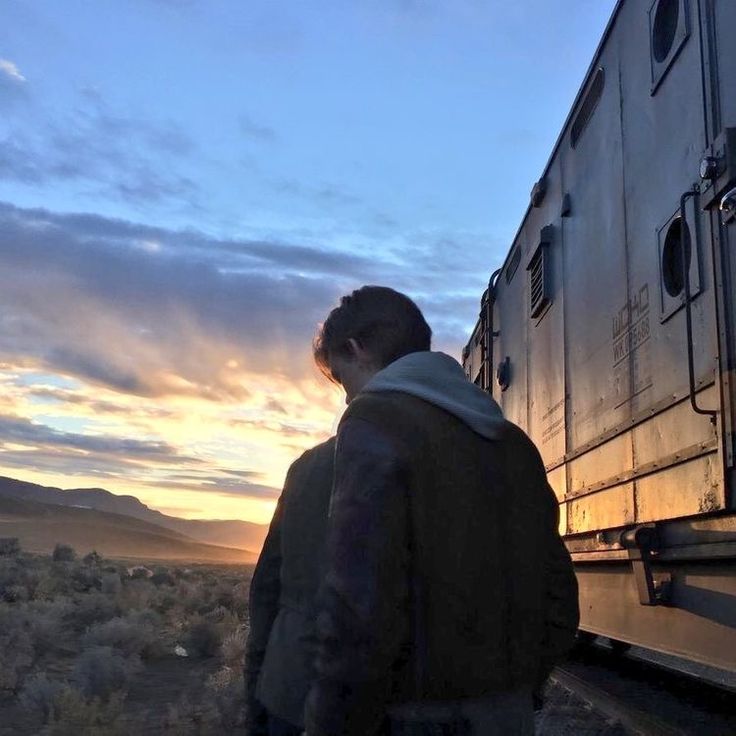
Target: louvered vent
{"type": "Point", "coordinates": [536, 285]}
{"type": "Point", "coordinates": [539, 289]}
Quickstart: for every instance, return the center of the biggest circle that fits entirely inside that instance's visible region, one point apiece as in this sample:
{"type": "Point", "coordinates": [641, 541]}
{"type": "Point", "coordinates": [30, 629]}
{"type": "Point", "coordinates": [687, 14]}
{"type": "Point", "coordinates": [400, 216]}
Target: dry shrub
{"type": "Point", "coordinates": [233, 648]}
{"type": "Point", "coordinates": [39, 696]}
{"type": "Point", "coordinates": [218, 614]}
{"type": "Point", "coordinates": [134, 634]}
{"type": "Point", "coordinates": [110, 583]}
{"type": "Point", "coordinates": [54, 582]}
{"type": "Point", "coordinates": [191, 596]}
{"type": "Point", "coordinates": [18, 582]}
{"type": "Point", "coordinates": [9, 546]}
{"type": "Point", "coordinates": [93, 558]}
{"type": "Point", "coordinates": [241, 592]}
{"type": "Point", "coordinates": [226, 690]}
{"type": "Point", "coordinates": [101, 671]}
{"type": "Point", "coordinates": [163, 578]}
{"type": "Point", "coordinates": [76, 715]}
{"type": "Point", "coordinates": [189, 716]}
{"type": "Point", "coordinates": [91, 609]}
{"type": "Point", "coordinates": [203, 639]}
{"type": "Point", "coordinates": [63, 553]}
{"type": "Point", "coordinates": [84, 578]}
{"type": "Point", "coordinates": [16, 656]}
{"type": "Point", "coordinates": [136, 595]}
{"type": "Point", "coordinates": [47, 622]}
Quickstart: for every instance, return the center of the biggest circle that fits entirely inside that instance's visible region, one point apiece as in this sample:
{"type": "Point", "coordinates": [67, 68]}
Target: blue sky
{"type": "Point", "coordinates": [187, 187]}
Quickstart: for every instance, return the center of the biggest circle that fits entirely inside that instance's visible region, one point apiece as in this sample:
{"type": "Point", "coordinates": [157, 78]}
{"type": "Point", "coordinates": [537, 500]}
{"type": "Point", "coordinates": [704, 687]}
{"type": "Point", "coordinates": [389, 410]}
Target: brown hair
{"type": "Point", "coordinates": [386, 323]}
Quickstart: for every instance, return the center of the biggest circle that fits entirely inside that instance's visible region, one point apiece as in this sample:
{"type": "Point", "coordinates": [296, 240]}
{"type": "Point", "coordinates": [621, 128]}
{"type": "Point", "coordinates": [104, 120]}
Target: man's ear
{"type": "Point", "coordinates": [358, 352]}
{"type": "Point", "coordinates": [354, 348]}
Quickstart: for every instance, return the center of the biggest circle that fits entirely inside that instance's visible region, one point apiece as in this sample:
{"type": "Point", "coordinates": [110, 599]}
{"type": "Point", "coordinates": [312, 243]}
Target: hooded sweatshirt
{"type": "Point", "coordinates": [446, 578]}
{"type": "Point", "coordinates": [440, 380]}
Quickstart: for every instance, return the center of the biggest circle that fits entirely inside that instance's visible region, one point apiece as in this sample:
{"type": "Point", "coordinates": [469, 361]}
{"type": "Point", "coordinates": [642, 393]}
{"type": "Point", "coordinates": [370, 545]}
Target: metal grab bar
{"type": "Point", "coordinates": [685, 233]}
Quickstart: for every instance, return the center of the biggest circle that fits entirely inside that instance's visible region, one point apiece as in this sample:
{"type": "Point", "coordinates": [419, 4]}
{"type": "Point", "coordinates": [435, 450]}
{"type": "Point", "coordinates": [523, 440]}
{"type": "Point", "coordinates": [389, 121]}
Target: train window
{"type": "Point", "coordinates": [676, 247]}
{"type": "Point", "coordinates": [588, 106]}
{"type": "Point", "coordinates": [668, 31]}
{"type": "Point", "coordinates": [664, 28]}
{"type": "Point", "coordinates": [513, 264]}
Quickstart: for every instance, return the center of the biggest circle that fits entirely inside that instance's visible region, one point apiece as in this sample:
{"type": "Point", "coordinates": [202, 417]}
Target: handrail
{"type": "Point", "coordinates": [685, 233]}
{"type": "Point", "coordinates": [490, 365]}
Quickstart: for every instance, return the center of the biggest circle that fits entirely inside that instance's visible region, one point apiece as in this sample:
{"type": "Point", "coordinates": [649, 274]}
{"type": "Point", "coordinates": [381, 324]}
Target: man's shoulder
{"type": "Point", "coordinates": [385, 408]}
{"type": "Point", "coordinates": [324, 452]}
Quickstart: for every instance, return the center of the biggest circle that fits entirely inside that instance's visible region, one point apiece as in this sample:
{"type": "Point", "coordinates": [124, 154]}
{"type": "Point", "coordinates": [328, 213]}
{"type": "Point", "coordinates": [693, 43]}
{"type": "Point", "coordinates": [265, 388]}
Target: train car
{"type": "Point", "coordinates": [609, 332]}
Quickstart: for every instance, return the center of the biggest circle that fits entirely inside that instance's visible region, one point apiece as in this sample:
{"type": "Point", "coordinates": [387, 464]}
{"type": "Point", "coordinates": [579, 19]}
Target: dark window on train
{"type": "Point", "coordinates": [587, 107]}
{"type": "Point", "coordinates": [539, 296]}
{"type": "Point", "coordinates": [513, 264]}
{"type": "Point", "coordinates": [668, 31]}
{"type": "Point", "coordinates": [664, 28]}
{"type": "Point", "coordinates": [676, 248]}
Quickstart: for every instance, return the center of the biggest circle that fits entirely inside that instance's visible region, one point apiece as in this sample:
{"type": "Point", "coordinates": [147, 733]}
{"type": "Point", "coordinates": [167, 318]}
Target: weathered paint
{"type": "Point", "coordinates": [600, 378]}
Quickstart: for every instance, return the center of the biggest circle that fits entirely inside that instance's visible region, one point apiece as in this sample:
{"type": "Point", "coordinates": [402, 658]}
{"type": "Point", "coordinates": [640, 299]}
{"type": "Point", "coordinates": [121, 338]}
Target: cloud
{"type": "Point", "coordinates": [251, 129]}
{"type": "Point", "coordinates": [178, 358]}
{"type": "Point", "coordinates": [324, 195]}
{"type": "Point", "coordinates": [18, 163]}
{"type": "Point", "coordinates": [82, 298]}
{"type": "Point", "coordinates": [76, 398]}
{"type": "Point", "coordinates": [13, 85]}
{"type": "Point", "coordinates": [21, 431]}
{"type": "Point", "coordinates": [219, 485]}
{"type": "Point", "coordinates": [9, 70]}
{"type": "Point", "coordinates": [197, 316]}
{"type": "Point", "coordinates": [94, 145]}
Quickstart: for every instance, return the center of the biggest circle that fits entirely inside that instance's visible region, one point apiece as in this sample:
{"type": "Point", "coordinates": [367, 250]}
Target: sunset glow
{"type": "Point", "coordinates": [187, 188]}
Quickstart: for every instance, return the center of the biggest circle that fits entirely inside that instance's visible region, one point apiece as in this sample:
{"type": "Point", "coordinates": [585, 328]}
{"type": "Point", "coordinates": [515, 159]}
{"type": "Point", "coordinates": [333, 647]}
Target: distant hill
{"type": "Point", "coordinates": [40, 526]}
{"type": "Point", "coordinates": [229, 533]}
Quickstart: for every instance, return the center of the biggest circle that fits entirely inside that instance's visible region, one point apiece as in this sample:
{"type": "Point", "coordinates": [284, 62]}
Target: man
{"type": "Point", "coordinates": [279, 649]}
{"type": "Point", "coordinates": [448, 594]}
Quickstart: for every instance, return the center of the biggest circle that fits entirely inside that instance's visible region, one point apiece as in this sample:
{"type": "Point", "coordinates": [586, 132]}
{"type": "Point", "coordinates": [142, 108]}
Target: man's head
{"type": "Point", "coordinates": [372, 327]}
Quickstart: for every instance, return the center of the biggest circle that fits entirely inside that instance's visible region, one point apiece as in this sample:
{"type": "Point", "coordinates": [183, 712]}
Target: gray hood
{"type": "Point", "coordinates": [440, 380]}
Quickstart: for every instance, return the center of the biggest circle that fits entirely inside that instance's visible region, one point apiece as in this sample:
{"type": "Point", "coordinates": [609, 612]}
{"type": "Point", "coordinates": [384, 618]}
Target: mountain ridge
{"type": "Point", "coordinates": [40, 526]}
{"type": "Point", "coordinates": [244, 535]}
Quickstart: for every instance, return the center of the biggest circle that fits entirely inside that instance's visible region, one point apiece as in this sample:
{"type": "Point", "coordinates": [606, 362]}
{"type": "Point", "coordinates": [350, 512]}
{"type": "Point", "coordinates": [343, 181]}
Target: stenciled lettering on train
{"type": "Point", "coordinates": [630, 331]}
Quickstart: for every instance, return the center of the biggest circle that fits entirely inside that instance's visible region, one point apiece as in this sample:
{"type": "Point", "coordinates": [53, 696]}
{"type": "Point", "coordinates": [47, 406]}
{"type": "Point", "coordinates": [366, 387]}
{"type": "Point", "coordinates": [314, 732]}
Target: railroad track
{"type": "Point", "coordinates": [635, 697]}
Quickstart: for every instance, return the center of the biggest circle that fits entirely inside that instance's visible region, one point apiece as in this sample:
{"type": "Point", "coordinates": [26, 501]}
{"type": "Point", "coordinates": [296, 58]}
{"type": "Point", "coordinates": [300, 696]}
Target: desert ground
{"type": "Point", "coordinates": [91, 646]}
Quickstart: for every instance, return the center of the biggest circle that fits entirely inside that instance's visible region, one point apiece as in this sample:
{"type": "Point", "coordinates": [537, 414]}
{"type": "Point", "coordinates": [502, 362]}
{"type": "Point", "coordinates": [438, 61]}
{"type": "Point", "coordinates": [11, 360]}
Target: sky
{"type": "Point", "coordinates": [187, 187]}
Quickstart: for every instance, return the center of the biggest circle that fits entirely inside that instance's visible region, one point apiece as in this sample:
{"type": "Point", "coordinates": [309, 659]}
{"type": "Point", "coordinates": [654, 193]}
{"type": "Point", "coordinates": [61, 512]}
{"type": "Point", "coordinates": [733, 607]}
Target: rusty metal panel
{"type": "Point", "coordinates": [592, 378]}
{"type": "Point", "coordinates": [594, 260]}
{"type": "Point", "coordinates": [699, 625]}
{"type": "Point", "coordinates": [724, 22]}
{"type": "Point", "coordinates": [723, 74]}
{"type": "Point", "coordinates": [545, 343]}
{"type": "Point", "coordinates": [603, 463]}
{"type": "Point", "coordinates": [612, 507]}
{"type": "Point", "coordinates": [511, 325]}
{"type": "Point", "coordinates": [694, 487]}
{"type": "Point", "coordinates": [664, 139]}
{"type": "Point", "coordinates": [673, 431]}
{"type": "Point", "coordinates": [562, 526]}
{"type": "Point", "coordinates": [558, 480]}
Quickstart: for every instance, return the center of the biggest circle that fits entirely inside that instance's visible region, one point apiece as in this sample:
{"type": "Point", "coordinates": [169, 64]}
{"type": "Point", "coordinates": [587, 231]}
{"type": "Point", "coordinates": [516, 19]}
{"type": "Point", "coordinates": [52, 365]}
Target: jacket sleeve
{"type": "Point", "coordinates": [265, 589]}
{"type": "Point", "coordinates": [560, 598]}
{"type": "Point", "coordinates": [363, 604]}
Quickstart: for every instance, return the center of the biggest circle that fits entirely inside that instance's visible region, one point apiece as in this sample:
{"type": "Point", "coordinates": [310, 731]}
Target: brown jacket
{"type": "Point", "coordinates": [447, 578]}
{"type": "Point", "coordinates": [280, 644]}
